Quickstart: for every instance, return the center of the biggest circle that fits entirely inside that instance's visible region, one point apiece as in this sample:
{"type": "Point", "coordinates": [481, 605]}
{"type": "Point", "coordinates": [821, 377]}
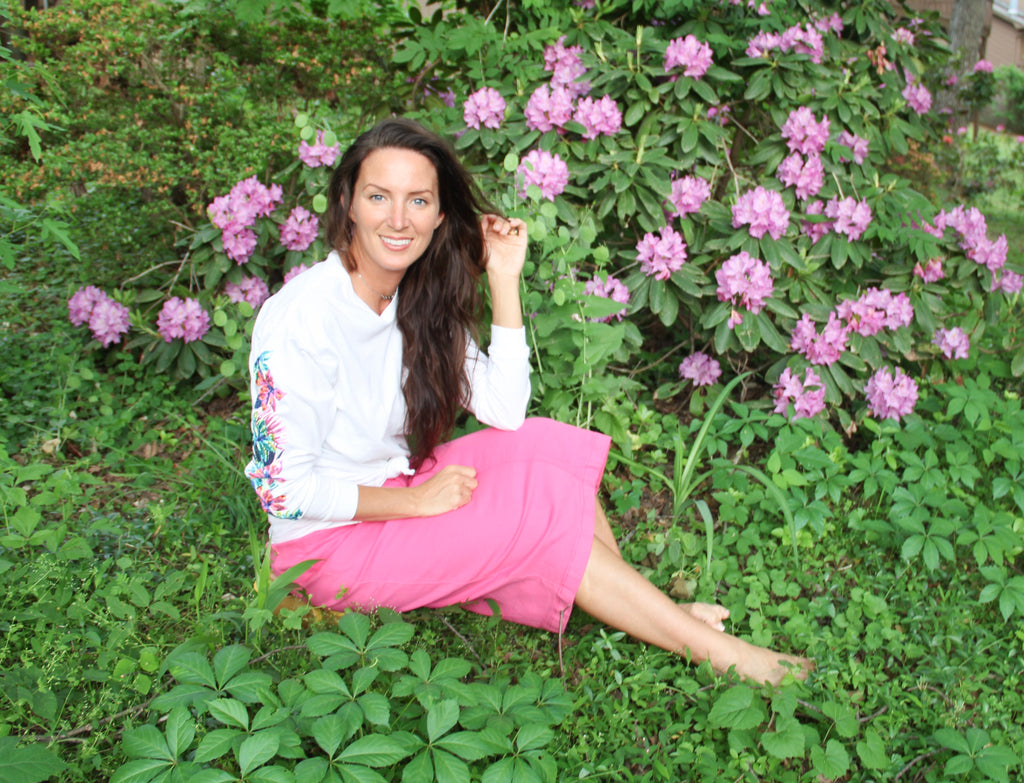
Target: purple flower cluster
{"type": "Point", "coordinates": [763, 210]}
{"type": "Point", "coordinates": [598, 117]}
{"type": "Point", "coordinates": [295, 271]}
{"type": "Point", "coordinates": [700, 368]}
{"type": "Point", "coordinates": [184, 318]}
{"type": "Point", "coordinates": [918, 97]}
{"type": "Point", "coordinates": [234, 213]}
{"type": "Point", "coordinates": [1007, 281]}
{"type": "Point", "coordinates": [484, 107]}
{"type": "Point", "coordinates": [972, 227]}
{"type": "Point", "coordinates": [609, 288]}
{"type": "Point", "coordinates": [746, 282]}
{"type": "Point", "coordinates": [849, 216]}
{"type": "Point", "coordinates": [953, 343]}
{"type": "Point", "coordinates": [688, 193]}
{"type": "Point", "coordinates": [549, 108]}
{"type": "Point", "coordinates": [107, 319]}
{"type": "Point", "coordinates": [857, 145]}
{"type": "Point", "coordinates": [545, 170]}
{"type": "Point", "coordinates": [801, 40]}
{"type": "Point", "coordinates": [876, 309]}
{"type": "Point", "coordinates": [318, 154]}
{"type": "Point", "coordinates": [300, 229]}
{"type": "Point", "coordinates": [253, 290]}
{"type": "Point", "coordinates": [806, 176]}
{"type": "Point", "coordinates": [688, 53]}
{"type": "Point", "coordinates": [806, 395]}
{"type": "Point", "coordinates": [662, 254]}
{"type": "Point", "coordinates": [891, 395]}
{"type": "Point", "coordinates": [566, 67]}
{"type": "Point", "coordinates": [931, 272]}
{"type": "Point", "coordinates": [982, 66]}
{"type": "Point", "coordinates": [804, 133]}
{"type": "Point", "coordinates": [824, 348]}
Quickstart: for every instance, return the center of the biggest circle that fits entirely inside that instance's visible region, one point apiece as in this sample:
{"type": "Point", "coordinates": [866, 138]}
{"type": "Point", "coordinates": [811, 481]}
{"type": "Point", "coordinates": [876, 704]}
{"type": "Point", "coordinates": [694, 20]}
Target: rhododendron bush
{"type": "Point", "coordinates": [704, 181]}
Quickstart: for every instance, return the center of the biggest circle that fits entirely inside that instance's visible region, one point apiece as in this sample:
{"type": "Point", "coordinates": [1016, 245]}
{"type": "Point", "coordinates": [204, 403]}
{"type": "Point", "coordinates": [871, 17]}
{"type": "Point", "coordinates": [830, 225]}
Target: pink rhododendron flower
{"type": "Point", "coordinates": [762, 43]}
{"type": "Point", "coordinates": [566, 66]}
{"type": "Point", "coordinates": [804, 40]}
{"type": "Point", "coordinates": [295, 271]}
{"type": "Point", "coordinates": [806, 395]}
{"type": "Point", "coordinates": [300, 229]}
{"type": "Point", "coordinates": [849, 216]}
{"type": "Point", "coordinates": [990, 254]}
{"type": "Point", "coordinates": [688, 193]}
{"type": "Point", "coordinates": [1007, 281]}
{"type": "Point", "coordinates": [982, 66]}
{"type": "Point", "coordinates": [815, 230]}
{"type": "Point", "coordinates": [857, 145]}
{"type": "Point", "coordinates": [833, 23]}
{"type": "Point", "coordinates": [764, 211]}
{"type": "Point", "coordinates": [824, 348]}
{"type": "Point", "coordinates": [598, 117]}
{"type": "Point", "coordinates": [253, 290]}
{"type": "Point", "coordinates": [803, 132]}
{"type": "Point", "coordinates": [931, 271]}
{"type": "Point", "coordinates": [903, 35]}
{"type": "Point", "coordinates": [806, 177]}
{"type": "Point", "coordinates": [247, 200]}
{"type": "Point", "coordinates": [318, 154]}
{"type": "Point", "coordinates": [548, 108]}
{"type": "Point", "coordinates": [953, 343]}
{"type": "Point", "coordinates": [609, 288]}
{"type": "Point", "coordinates": [918, 97]}
{"type": "Point", "coordinates": [184, 318]}
{"type": "Point", "coordinates": [688, 53]}
{"type": "Point", "coordinates": [662, 254]}
{"type": "Point", "coordinates": [891, 395]}
{"type": "Point", "coordinates": [239, 242]}
{"type": "Point", "coordinates": [719, 114]}
{"type": "Point", "coordinates": [700, 368]}
{"type": "Point", "coordinates": [82, 303]}
{"type": "Point", "coordinates": [108, 321]}
{"type": "Point", "coordinates": [484, 107]}
{"type": "Point", "coordinates": [545, 170]}
{"type": "Point", "coordinates": [746, 282]}
{"type": "Point", "coordinates": [876, 309]}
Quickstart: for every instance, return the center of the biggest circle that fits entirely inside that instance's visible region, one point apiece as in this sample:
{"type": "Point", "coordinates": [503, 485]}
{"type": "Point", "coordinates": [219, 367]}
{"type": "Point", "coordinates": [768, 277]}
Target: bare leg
{"type": "Point", "coordinates": [616, 594]}
{"type": "Point", "coordinates": [711, 614]}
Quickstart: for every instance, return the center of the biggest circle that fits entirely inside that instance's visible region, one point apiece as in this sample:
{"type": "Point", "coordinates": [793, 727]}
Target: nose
{"type": "Point", "coordinates": [398, 218]}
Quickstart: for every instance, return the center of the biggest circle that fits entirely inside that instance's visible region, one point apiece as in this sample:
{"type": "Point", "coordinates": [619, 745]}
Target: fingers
{"type": "Point", "coordinates": [451, 488]}
{"type": "Point", "coordinates": [501, 226]}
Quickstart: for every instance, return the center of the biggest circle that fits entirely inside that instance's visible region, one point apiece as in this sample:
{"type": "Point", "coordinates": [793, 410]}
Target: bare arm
{"type": "Point", "coordinates": [505, 240]}
{"type": "Point", "coordinates": [451, 488]}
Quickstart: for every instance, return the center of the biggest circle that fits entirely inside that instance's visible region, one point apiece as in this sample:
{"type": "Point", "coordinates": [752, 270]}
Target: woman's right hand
{"type": "Point", "coordinates": [451, 488]}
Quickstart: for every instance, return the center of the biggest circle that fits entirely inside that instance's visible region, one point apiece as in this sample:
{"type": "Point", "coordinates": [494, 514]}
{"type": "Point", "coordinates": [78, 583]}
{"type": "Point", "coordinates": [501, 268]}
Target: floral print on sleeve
{"type": "Point", "coordinates": [267, 439]}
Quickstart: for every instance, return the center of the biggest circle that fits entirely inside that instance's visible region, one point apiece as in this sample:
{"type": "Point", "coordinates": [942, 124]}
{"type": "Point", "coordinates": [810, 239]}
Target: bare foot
{"type": "Point", "coordinates": [711, 615]}
{"type": "Point", "coordinates": [759, 664]}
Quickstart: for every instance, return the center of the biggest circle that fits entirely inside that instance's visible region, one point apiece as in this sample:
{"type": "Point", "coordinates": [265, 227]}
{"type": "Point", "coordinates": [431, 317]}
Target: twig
{"type": "Point", "coordinates": [922, 757]}
{"type": "Point", "coordinates": [880, 711]}
{"type": "Point", "coordinates": [88, 727]}
{"type": "Point", "coordinates": [266, 656]}
{"type": "Point", "coordinates": [465, 641]}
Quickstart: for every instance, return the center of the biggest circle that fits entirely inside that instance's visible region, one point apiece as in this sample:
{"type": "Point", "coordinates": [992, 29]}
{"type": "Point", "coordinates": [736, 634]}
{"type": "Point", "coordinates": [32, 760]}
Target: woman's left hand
{"type": "Point", "coordinates": [505, 245]}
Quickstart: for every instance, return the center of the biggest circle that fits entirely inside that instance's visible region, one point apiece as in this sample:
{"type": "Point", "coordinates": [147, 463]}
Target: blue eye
{"type": "Point", "coordinates": [376, 197]}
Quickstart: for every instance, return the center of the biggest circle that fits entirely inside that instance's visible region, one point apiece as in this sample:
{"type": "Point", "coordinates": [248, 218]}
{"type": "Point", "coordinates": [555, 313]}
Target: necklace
{"type": "Point", "coordinates": [386, 297]}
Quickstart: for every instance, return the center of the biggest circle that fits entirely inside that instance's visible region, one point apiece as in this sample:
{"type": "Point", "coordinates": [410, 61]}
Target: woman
{"type": "Point", "coordinates": [359, 369]}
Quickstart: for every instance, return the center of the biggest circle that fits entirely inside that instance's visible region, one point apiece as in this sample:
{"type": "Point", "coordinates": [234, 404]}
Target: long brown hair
{"type": "Point", "coordinates": [440, 302]}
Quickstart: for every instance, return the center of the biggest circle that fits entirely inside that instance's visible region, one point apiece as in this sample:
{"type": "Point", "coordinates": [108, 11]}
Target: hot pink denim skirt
{"type": "Point", "coordinates": [523, 541]}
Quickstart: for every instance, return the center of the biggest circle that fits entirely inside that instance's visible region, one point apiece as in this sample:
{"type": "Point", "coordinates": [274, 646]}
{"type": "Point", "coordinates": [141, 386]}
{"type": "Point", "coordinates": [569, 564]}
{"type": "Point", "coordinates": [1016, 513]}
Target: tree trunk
{"type": "Point", "coordinates": [966, 28]}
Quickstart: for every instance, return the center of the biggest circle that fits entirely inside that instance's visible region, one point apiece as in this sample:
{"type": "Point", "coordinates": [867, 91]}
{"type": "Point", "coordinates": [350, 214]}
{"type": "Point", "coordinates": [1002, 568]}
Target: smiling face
{"type": "Point", "coordinates": [395, 209]}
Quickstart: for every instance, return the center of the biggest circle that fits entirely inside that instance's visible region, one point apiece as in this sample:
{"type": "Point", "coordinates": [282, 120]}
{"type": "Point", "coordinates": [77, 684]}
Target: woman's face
{"type": "Point", "coordinates": [395, 209]}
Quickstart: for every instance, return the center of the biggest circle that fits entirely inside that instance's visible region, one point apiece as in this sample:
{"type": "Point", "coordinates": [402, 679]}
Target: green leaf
{"type": "Point", "coordinates": [146, 742]}
{"type": "Point", "coordinates": [180, 731]}
{"type": "Point", "coordinates": [229, 661]}
{"type": "Point", "coordinates": [872, 750]}
{"type": "Point", "coordinates": [831, 762]}
{"type": "Point", "coordinates": [787, 741]}
{"type": "Point", "coordinates": [329, 732]}
{"type": "Point", "coordinates": [142, 771]}
{"type": "Point", "coordinates": [215, 744]}
{"type": "Point", "coordinates": [230, 712]}
{"type": "Point", "coordinates": [449, 769]}
{"type": "Point", "coordinates": [256, 750]}
{"type": "Point", "coordinates": [393, 634]}
{"type": "Point", "coordinates": [467, 745]}
{"type": "Point", "coordinates": [30, 763]}
{"type": "Point", "coordinates": [533, 736]}
{"type": "Point", "coordinates": [441, 717]}
{"type": "Point", "coordinates": [737, 708]}
{"type": "Point", "coordinates": [375, 750]}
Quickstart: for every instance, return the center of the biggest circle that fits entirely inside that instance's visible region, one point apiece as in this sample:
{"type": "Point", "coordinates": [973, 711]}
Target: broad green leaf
{"type": "Point", "coordinates": [180, 730]}
{"type": "Point", "coordinates": [737, 708]}
{"type": "Point", "coordinates": [832, 761]}
{"type": "Point", "coordinates": [872, 750]}
{"type": "Point", "coordinates": [215, 744]}
{"type": "Point", "coordinates": [146, 742]}
{"type": "Point", "coordinates": [787, 741]}
{"type": "Point", "coordinates": [141, 771]}
{"type": "Point", "coordinates": [257, 750]}
{"type": "Point", "coordinates": [441, 717]}
{"type": "Point", "coordinates": [33, 763]}
{"type": "Point", "coordinates": [374, 750]}
{"type": "Point", "coordinates": [230, 712]}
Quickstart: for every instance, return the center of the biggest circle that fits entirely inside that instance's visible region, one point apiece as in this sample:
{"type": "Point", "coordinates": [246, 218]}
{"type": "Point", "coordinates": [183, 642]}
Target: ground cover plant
{"type": "Point", "coordinates": [881, 535]}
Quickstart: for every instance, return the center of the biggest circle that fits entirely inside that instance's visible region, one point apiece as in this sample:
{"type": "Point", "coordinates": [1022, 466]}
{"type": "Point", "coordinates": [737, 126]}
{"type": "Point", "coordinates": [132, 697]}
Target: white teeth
{"type": "Point", "coordinates": [396, 243]}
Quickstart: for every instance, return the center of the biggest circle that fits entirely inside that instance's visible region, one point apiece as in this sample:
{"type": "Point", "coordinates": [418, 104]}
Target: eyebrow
{"type": "Point", "coordinates": [369, 185]}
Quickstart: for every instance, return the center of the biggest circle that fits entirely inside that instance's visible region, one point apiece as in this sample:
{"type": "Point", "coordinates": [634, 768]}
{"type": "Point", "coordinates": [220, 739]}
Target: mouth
{"type": "Point", "coordinates": [396, 243]}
